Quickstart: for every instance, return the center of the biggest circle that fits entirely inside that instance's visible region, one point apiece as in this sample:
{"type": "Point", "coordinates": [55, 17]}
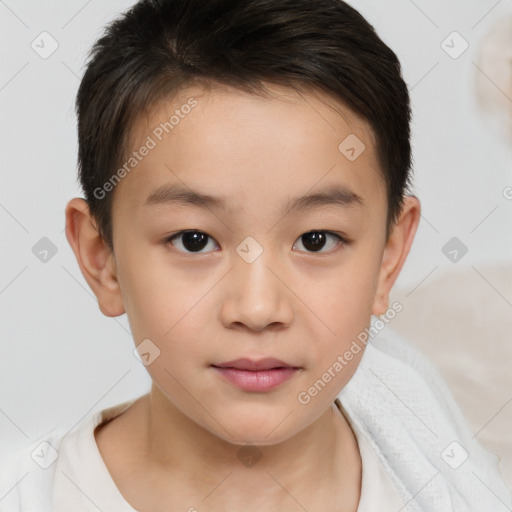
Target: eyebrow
{"type": "Point", "coordinates": [335, 195]}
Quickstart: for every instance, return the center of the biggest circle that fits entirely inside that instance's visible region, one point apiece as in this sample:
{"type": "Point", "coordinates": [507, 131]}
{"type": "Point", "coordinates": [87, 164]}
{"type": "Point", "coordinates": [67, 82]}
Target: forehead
{"type": "Point", "coordinates": [239, 145]}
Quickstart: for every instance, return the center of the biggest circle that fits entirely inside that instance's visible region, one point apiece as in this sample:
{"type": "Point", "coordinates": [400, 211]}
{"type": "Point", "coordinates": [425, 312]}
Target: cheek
{"type": "Point", "coordinates": [344, 304]}
{"type": "Point", "coordinates": [153, 299]}
{"type": "Point", "coordinates": [345, 300]}
{"type": "Point", "coordinates": [167, 309]}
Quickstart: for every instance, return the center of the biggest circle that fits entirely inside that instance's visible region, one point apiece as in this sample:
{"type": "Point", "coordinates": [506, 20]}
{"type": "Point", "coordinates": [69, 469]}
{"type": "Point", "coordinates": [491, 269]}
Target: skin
{"type": "Point", "coordinates": [176, 447]}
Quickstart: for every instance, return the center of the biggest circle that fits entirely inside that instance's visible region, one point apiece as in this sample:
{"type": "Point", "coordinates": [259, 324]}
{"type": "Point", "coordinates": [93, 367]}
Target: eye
{"type": "Point", "coordinates": [315, 241]}
{"type": "Point", "coordinates": [189, 241]}
{"type": "Point", "coordinates": [195, 241]}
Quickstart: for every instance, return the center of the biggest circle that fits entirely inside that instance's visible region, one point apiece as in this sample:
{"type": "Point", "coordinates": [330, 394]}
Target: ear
{"type": "Point", "coordinates": [395, 252]}
{"type": "Point", "coordinates": [94, 257]}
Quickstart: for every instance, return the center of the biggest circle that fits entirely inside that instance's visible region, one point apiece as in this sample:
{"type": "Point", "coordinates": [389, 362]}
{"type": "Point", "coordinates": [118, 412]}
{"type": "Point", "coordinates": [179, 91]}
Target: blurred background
{"type": "Point", "coordinates": [61, 359]}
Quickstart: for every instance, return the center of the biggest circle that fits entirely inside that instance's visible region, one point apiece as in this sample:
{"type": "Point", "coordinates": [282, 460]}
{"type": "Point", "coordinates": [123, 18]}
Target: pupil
{"type": "Point", "coordinates": [316, 241]}
{"type": "Point", "coordinates": [194, 240]}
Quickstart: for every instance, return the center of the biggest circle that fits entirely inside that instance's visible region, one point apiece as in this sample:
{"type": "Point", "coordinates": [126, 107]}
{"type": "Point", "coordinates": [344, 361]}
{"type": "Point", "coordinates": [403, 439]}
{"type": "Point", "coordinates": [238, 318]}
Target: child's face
{"type": "Point", "coordinates": [207, 301]}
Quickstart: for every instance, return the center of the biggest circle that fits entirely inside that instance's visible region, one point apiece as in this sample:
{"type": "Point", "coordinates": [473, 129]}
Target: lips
{"type": "Point", "coordinates": [251, 365]}
{"type": "Point", "coordinates": [256, 376]}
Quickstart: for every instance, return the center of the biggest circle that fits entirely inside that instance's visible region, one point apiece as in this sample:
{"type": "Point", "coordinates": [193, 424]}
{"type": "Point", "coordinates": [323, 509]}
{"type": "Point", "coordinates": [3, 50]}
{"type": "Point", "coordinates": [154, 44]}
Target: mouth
{"type": "Point", "coordinates": [258, 376]}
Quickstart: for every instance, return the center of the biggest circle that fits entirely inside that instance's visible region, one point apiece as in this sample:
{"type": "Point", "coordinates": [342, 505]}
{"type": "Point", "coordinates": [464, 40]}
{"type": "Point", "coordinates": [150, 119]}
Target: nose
{"type": "Point", "coordinates": [257, 295]}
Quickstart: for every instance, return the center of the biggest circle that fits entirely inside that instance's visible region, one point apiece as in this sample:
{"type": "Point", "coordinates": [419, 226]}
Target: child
{"type": "Point", "coordinates": [246, 169]}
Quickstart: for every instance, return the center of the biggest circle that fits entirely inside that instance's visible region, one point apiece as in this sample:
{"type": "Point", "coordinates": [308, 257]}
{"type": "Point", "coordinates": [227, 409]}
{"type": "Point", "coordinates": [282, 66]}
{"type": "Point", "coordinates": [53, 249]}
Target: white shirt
{"type": "Point", "coordinates": [79, 480]}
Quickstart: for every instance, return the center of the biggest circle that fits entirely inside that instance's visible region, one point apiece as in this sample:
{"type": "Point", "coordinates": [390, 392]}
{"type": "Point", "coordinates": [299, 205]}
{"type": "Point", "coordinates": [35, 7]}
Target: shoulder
{"type": "Point", "coordinates": [410, 418]}
{"type": "Point", "coordinates": [27, 473]}
{"type": "Point", "coordinates": [31, 474]}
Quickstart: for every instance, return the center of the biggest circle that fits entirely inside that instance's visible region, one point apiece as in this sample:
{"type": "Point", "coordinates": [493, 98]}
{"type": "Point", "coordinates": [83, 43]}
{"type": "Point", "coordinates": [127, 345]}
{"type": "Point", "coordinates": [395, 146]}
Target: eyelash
{"type": "Point", "coordinates": [341, 240]}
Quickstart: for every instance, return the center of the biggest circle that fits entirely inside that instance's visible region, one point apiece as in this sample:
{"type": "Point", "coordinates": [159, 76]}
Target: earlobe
{"type": "Point", "coordinates": [94, 257]}
{"type": "Point", "coordinates": [396, 251]}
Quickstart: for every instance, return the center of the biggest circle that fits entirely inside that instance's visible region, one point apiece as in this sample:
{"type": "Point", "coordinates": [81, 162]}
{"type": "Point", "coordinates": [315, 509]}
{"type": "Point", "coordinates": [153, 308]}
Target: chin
{"type": "Point", "coordinates": [257, 439]}
{"type": "Point", "coordinates": [257, 430]}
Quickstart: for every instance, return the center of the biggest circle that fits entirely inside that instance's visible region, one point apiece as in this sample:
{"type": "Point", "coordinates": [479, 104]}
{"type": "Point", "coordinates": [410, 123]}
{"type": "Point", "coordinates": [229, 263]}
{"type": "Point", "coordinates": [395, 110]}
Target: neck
{"type": "Point", "coordinates": [323, 457]}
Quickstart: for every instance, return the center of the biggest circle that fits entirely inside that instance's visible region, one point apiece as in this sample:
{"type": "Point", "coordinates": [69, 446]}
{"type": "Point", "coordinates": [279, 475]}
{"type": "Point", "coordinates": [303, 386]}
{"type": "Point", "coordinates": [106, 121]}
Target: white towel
{"type": "Point", "coordinates": [405, 410]}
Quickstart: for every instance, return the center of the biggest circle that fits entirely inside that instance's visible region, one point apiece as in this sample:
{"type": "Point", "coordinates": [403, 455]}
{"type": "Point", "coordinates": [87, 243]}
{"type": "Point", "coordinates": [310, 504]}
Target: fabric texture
{"type": "Point", "coordinates": [410, 418]}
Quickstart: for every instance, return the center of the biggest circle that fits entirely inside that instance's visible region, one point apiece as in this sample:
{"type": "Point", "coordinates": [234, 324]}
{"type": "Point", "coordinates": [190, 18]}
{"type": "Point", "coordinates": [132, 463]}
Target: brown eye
{"type": "Point", "coordinates": [315, 241]}
{"type": "Point", "coordinates": [190, 241]}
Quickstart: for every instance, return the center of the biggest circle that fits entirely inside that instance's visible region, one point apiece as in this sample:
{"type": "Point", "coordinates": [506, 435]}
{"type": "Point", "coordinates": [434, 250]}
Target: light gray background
{"type": "Point", "coordinates": [60, 357]}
